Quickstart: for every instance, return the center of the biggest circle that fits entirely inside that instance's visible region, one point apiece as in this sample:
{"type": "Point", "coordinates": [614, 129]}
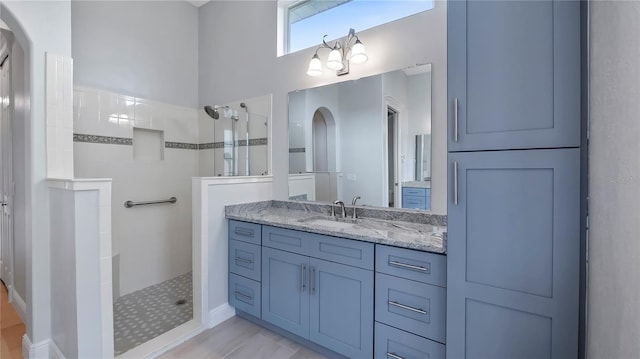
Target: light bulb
{"type": "Point", "coordinates": [315, 66]}
{"type": "Point", "coordinates": [358, 54]}
{"type": "Point", "coordinates": [334, 62]}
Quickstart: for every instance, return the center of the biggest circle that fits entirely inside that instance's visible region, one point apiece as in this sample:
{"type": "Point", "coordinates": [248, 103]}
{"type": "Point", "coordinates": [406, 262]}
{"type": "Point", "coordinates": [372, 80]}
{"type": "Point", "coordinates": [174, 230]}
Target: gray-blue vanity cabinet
{"type": "Point", "coordinates": [394, 343]}
{"type": "Point", "coordinates": [285, 292]}
{"type": "Point", "coordinates": [244, 259]}
{"type": "Point", "coordinates": [514, 74]}
{"type": "Point", "coordinates": [245, 232]}
{"type": "Point", "coordinates": [326, 302]}
{"type": "Point", "coordinates": [425, 267]}
{"type": "Point", "coordinates": [416, 198]}
{"type": "Point", "coordinates": [244, 294]}
{"type": "Point", "coordinates": [341, 311]}
{"type": "Point", "coordinates": [513, 254]}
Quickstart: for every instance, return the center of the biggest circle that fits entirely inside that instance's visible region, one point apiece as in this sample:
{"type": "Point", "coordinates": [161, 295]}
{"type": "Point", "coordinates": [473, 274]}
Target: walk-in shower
{"type": "Point", "coordinates": [239, 140]}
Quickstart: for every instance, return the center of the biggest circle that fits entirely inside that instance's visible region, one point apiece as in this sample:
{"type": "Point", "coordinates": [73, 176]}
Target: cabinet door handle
{"type": "Point", "coordinates": [394, 356]}
{"type": "Point", "coordinates": [248, 297]}
{"type": "Point", "coordinates": [417, 310]}
{"type": "Point", "coordinates": [303, 270]}
{"type": "Point", "coordinates": [408, 266]}
{"type": "Point", "coordinates": [244, 260]}
{"type": "Point", "coordinates": [243, 232]}
{"type": "Point", "coordinates": [312, 280]}
{"type": "Point", "coordinates": [455, 120]}
{"type": "Point", "coordinates": [455, 182]}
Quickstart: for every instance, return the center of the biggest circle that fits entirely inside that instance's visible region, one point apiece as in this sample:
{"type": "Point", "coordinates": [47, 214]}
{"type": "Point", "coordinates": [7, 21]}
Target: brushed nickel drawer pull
{"type": "Point", "coordinates": [303, 270]}
{"type": "Point", "coordinates": [244, 260]}
{"type": "Point", "coordinates": [417, 310]}
{"type": "Point", "coordinates": [408, 266]}
{"type": "Point", "coordinates": [394, 356]}
{"type": "Point", "coordinates": [243, 232]}
{"type": "Point", "coordinates": [248, 297]}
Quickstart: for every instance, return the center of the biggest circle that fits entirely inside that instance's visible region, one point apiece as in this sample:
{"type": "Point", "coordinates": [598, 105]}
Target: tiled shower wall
{"type": "Point", "coordinates": [154, 242]}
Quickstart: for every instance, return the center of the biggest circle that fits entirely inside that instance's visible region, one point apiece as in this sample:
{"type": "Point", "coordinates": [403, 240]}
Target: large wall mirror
{"type": "Point", "coordinates": [369, 137]}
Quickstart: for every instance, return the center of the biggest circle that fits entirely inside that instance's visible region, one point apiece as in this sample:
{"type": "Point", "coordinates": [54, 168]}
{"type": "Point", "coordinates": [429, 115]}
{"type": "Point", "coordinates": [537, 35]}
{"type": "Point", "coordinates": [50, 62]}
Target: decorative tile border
{"type": "Point", "coordinates": [78, 137]}
{"type": "Point", "coordinates": [181, 145]}
{"type": "Point", "coordinates": [297, 150]}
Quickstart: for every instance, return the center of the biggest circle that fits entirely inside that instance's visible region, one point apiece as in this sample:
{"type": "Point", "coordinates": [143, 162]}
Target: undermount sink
{"type": "Point", "coordinates": [338, 223]}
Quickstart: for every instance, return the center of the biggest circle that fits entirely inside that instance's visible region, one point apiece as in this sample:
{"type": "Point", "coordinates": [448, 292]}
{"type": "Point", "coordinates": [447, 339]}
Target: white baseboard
{"type": "Point", "coordinates": [54, 351]}
{"type": "Point", "coordinates": [18, 303]}
{"type": "Point", "coordinates": [220, 314]}
{"type": "Point", "coordinates": [35, 351]}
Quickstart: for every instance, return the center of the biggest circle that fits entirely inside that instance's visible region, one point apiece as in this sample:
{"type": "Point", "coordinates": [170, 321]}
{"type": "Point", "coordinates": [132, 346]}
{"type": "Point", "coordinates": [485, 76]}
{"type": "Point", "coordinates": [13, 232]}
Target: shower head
{"type": "Point", "coordinates": [211, 111]}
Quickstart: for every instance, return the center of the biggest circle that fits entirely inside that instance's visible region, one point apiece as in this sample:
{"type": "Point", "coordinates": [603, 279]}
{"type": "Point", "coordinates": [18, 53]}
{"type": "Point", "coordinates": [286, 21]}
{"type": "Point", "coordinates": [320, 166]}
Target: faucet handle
{"type": "Point", "coordinates": [355, 198]}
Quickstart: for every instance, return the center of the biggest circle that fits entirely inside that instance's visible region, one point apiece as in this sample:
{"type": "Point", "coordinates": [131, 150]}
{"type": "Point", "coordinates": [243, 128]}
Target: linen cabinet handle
{"type": "Point", "coordinates": [417, 310]}
{"type": "Point", "coordinates": [312, 280]}
{"type": "Point", "coordinates": [455, 182]}
{"type": "Point", "coordinates": [394, 356]}
{"type": "Point", "coordinates": [455, 120]}
{"type": "Point", "coordinates": [303, 271]}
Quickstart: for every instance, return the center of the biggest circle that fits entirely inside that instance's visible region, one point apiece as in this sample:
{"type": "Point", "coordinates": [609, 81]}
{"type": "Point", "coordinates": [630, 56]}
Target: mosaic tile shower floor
{"type": "Point", "coordinates": [145, 314]}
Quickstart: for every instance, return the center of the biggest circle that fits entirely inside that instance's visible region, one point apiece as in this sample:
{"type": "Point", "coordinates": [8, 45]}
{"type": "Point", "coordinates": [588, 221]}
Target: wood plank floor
{"type": "Point", "coordinates": [238, 338]}
{"type": "Point", "coordinates": [11, 328]}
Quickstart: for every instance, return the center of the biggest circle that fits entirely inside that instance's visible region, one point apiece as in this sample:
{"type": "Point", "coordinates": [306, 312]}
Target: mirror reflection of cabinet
{"type": "Point", "coordinates": [365, 155]}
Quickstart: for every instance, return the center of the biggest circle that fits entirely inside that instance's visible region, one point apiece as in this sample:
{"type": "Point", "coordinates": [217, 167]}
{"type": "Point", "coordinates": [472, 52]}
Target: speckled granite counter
{"type": "Point", "coordinates": [400, 228]}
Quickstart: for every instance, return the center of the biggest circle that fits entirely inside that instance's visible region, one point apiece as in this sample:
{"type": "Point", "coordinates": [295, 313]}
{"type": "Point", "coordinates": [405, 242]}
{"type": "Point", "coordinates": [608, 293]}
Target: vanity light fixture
{"type": "Point", "coordinates": [341, 54]}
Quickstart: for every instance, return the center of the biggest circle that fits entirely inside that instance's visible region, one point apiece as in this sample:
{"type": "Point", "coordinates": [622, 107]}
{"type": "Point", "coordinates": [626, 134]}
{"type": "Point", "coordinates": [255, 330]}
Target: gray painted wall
{"type": "Point", "coordinates": [238, 61]}
{"type": "Point", "coordinates": [614, 168]}
{"type": "Point", "coordinates": [146, 49]}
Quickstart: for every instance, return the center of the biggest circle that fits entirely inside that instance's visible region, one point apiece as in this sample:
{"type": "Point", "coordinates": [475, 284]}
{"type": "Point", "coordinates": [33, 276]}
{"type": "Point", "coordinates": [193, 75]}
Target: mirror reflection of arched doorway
{"type": "Point", "coordinates": [320, 159]}
{"type": "Point", "coordinates": [323, 129]}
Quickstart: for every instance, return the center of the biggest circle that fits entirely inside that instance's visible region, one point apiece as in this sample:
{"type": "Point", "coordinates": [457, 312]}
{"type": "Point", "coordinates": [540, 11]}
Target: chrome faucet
{"type": "Point", "coordinates": [344, 211]}
{"type": "Point", "coordinates": [353, 203]}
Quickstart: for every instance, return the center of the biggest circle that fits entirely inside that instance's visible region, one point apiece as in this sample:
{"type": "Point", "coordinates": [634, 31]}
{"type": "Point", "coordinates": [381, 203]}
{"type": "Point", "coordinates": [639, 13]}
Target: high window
{"type": "Point", "coordinates": [303, 23]}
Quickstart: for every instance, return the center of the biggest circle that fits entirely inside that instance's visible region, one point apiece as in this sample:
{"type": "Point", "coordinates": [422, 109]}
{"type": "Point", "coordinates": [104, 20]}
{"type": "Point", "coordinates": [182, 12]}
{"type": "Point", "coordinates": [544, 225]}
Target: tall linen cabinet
{"type": "Point", "coordinates": [514, 201]}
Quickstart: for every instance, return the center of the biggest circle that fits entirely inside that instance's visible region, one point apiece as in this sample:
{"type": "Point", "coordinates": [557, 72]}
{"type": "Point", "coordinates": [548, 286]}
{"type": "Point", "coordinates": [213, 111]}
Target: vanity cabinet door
{"type": "Point", "coordinates": [285, 292]}
{"type": "Point", "coordinates": [513, 254]}
{"type": "Point", "coordinates": [514, 73]}
{"type": "Point", "coordinates": [342, 308]}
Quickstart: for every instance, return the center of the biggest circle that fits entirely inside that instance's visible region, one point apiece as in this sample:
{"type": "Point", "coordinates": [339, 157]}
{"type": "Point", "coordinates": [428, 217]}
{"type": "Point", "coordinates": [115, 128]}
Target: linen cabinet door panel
{"type": "Point", "coordinates": [342, 308]}
{"type": "Point", "coordinates": [513, 254]}
{"type": "Point", "coordinates": [514, 74]}
{"type": "Point", "coordinates": [285, 294]}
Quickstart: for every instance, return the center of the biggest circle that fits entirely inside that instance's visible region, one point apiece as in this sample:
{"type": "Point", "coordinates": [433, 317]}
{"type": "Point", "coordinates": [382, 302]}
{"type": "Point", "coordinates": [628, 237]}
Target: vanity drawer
{"type": "Point", "coordinates": [394, 343]}
{"type": "Point", "coordinates": [244, 294]}
{"type": "Point", "coordinates": [421, 266]}
{"type": "Point", "coordinates": [415, 307]}
{"type": "Point", "coordinates": [245, 232]}
{"type": "Point", "coordinates": [414, 202]}
{"type": "Point", "coordinates": [245, 259]}
{"type": "Point", "coordinates": [412, 191]}
{"type": "Point", "coordinates": [286, 239]}
{"type": "Point", "coordinates": [345, 251]}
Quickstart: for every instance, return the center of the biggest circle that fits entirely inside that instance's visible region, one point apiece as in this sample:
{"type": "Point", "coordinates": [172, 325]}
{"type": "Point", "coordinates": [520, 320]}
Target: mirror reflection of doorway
{"type": "Point", "coordinates": [392, 133]}
{"type": "Point", "coordinates": [320, 158]}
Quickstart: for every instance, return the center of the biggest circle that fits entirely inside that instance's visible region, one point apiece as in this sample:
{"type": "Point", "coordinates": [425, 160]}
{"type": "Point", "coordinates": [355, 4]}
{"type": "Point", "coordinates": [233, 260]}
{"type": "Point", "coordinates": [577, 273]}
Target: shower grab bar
{"type": "Point", "coordinates": [129, 204]}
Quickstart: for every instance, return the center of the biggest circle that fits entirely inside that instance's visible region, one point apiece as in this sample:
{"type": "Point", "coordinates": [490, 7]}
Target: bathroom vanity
{"type": "Point", "coordinates": [370, 287]}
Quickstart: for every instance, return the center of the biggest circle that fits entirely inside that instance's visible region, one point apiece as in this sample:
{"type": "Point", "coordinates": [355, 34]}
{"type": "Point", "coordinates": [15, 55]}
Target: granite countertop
{"type": "Point", "coordinates": [401, 228]}
{"type": "Point", "coordinates": [417, 184]}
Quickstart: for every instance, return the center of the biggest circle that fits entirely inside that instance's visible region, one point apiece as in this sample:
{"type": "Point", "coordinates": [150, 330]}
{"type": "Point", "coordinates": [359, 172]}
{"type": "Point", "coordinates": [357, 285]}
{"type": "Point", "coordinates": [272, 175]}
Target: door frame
{"type": "Point", "coordinates": [401, 118]}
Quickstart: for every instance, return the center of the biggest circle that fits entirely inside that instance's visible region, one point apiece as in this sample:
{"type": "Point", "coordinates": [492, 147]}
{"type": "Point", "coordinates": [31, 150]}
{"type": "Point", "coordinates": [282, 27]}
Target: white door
{"type": "Point", "coordinates": [6, 178]}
